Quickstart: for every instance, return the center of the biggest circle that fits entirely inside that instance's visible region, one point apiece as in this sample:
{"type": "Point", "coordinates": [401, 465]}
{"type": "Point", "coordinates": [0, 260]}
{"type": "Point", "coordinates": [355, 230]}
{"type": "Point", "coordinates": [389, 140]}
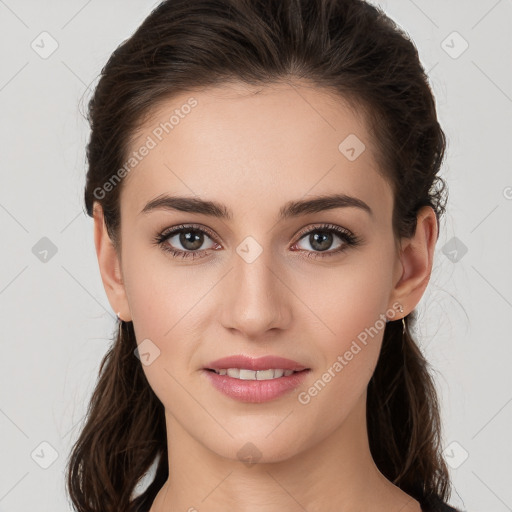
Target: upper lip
{"type": "Point", "coordinates": [260, 363]}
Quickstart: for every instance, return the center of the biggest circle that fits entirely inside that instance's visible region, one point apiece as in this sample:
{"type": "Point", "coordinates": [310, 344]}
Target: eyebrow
{"type": "Point", "coordinates": [289, 210]}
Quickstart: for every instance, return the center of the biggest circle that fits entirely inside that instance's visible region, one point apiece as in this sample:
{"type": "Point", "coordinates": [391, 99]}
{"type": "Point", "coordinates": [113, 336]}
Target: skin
{"type": "Point", "coordinates": [253, 153]}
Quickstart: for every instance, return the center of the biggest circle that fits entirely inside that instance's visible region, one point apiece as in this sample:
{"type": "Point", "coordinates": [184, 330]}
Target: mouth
{"type": "Point", "coordinates": [256, 386]}
{"type": "Point", "coordinates": [249, 379]}
{"type": "Point", "coordinates": [247, 374]}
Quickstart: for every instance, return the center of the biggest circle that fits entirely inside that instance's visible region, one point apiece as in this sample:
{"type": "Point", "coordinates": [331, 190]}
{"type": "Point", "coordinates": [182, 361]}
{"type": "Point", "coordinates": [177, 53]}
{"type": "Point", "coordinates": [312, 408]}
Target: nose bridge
{"type": "Point", "coordinates": [257, 295]}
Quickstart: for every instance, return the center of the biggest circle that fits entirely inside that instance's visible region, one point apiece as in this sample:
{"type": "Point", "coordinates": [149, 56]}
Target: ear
{"type": "Point", "coordinates": [110, 266]}
{"type": "Point", "coordinates": [413, 269]}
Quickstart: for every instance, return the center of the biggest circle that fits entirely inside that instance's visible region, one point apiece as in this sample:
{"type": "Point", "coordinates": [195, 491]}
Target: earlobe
{"type": "Point", "coordinates": [109, 265]}
{"type": "Point", "coordinates": [416, 260]}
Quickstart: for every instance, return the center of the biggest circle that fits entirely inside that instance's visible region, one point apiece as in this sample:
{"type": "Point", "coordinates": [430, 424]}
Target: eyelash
{"type": "Point", "coordinates": [349, 238]}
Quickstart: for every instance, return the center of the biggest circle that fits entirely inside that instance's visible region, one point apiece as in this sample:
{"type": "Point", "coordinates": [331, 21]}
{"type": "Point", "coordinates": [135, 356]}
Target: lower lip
{"type": "Point", "coordinates": [256, 390]}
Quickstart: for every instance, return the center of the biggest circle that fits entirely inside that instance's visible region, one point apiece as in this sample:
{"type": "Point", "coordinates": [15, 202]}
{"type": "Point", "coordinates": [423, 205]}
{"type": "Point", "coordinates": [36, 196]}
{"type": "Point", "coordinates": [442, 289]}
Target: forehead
{"type": "Point", "coordinates": [254, 147]}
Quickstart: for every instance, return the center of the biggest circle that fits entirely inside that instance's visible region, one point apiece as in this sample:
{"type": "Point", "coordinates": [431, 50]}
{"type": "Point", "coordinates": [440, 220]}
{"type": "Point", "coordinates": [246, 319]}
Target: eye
{"type": "Point", "coordinates": [191, 238]}
{"type": "Point", "coordinates": [321, 238]}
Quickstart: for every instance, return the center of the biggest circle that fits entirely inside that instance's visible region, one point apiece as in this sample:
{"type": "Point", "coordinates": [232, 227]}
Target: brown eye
{"type": "Point", "coordinates": [185, 241]}
{"type": "Point", "coordinates": [320, 239]}
{"type": "Point", "coordinates": [190, 239]}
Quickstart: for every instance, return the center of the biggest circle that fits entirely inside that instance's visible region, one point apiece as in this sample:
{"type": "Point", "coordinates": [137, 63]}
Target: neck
{"type": "Point", "coordinates": [336, 474]}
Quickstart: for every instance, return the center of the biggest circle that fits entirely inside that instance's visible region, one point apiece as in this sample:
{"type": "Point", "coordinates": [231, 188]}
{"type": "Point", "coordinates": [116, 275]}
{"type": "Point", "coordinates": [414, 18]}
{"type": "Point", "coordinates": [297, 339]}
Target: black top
{"type": "Point", "coordinates": [433, 504]}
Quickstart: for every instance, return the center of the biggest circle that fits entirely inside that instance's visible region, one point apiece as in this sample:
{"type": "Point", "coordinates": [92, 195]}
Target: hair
{"type": "Point", "coordinates": [348, 47]}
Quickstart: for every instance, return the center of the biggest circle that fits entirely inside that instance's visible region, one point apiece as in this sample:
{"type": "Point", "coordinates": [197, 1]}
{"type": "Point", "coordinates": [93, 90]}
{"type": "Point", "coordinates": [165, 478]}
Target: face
{"type": "Point", "coordinates": [310, 286]}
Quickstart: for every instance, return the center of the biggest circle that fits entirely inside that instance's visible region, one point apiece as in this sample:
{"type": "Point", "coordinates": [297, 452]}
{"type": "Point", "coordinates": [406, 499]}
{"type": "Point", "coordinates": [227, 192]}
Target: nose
{"type": "Point", "coordinates": [256, 298]}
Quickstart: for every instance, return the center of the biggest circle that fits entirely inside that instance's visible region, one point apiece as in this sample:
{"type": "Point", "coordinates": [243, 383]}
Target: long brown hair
{"type": "Point", "coordinates": [346, 46]}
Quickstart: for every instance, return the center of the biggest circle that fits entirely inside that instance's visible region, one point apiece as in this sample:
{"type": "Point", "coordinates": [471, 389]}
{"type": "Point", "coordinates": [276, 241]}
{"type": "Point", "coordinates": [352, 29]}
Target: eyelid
{"type": "Point", "coordinates": [176, 229]}
{"type": "Point", "coordinates": [324, 226]}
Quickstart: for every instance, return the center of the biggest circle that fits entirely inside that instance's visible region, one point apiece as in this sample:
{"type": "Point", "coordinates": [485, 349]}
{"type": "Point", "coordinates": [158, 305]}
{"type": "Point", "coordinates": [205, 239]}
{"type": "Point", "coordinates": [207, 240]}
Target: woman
{"type": "Point", "coordinates": [263, 182]}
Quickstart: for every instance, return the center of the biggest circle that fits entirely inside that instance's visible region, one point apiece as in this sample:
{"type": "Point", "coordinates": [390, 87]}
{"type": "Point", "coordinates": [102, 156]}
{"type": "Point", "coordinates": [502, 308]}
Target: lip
{"type": "Point", "coordinates": [255, 391]}
{"type": "Point", "coordinates": [260, 363]}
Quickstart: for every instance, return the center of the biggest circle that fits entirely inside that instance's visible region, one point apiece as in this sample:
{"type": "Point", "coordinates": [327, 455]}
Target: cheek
{"type": "Point", "coordinates": [161, 296]}
{"type": "Point", "coordinates": [168, 312]}
{"type": "Point", "coordinates": [349, 357]}
{"type": "Point", "coordinates": [348, 309]}
{"type": "Point", "coordinates": [346, 304]}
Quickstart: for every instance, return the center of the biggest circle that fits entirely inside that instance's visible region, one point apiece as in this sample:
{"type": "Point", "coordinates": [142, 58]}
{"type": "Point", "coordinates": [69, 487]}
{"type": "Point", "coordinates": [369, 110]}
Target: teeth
{"type": "Point", "coordinates": [243, 374]}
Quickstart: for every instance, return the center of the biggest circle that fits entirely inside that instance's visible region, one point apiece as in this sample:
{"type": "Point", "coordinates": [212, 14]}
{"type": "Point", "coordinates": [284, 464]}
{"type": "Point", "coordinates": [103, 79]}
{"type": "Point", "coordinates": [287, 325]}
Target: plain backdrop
{"type": "Point", "coordinates": [56, 322]}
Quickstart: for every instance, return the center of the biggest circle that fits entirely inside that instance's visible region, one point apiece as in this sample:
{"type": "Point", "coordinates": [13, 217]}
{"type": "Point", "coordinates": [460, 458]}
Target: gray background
{"type": "Point", "coordinates": [56, 321]}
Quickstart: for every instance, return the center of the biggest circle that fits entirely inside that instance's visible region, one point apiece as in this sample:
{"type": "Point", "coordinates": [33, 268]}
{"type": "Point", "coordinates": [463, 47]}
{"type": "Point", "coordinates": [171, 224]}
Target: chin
{"type": "Point", "coordinates": [256, 452]}
{"type": "Point", "coordinates": [262, 442]}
